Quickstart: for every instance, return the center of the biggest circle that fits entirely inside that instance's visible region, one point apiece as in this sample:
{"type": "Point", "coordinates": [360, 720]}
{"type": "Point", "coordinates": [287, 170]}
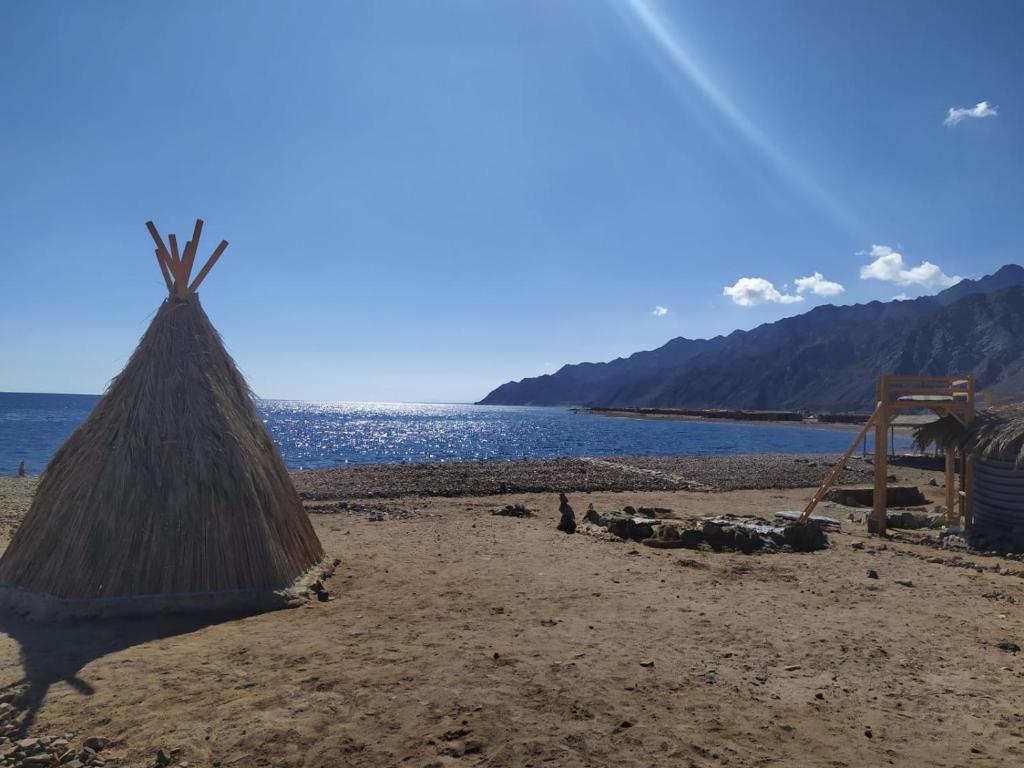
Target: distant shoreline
{"type": "Point", "coordinates": [659, 414]}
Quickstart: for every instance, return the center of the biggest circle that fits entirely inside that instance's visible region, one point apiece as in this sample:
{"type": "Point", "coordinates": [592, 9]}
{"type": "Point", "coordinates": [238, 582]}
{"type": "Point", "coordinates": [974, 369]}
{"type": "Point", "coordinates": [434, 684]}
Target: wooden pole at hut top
{"type": "Point", "coordinates": [176, 267]}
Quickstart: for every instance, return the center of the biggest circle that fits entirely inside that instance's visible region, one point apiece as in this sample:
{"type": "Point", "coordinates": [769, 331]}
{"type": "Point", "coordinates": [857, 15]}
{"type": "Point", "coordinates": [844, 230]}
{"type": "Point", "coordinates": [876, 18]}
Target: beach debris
{"type": "Point", "coordinates": [19, 750]}
{"type": "Point", "coordinates": [513, 510]}
{"type": "Point", "coordinates": [749, 534]}
{"type": "Point", "coordinates": [653, 513]}
{"type": "Point", "coordinates": [895, 496]}
{"type": "Point", "coordinates": [647, 664]}
{"type": "Point", "coordinates": [675, 536]}
{"type": "Point", "coordinates": [913, 519]}
{"type": "Point", "coordinates": [567, 522]}
{"type": "Point", "coordinates": [905, 582]}
{"type": "Point", "coordinates": [636, 528]}
{"type": "Point", "coordinates": [828, 523]}
{"type": "Point", "coordinates": [595, 517]}
{"type": "Point", "coordinates": [726, 533]}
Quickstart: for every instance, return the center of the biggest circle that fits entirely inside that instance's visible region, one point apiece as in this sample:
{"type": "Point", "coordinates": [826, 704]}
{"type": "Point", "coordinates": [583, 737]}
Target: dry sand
{"type": "Point", "coordinates": [460, 638]}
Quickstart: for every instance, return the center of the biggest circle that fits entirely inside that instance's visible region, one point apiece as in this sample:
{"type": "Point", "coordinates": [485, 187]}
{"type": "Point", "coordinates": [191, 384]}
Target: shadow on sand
{"type": "Point", "coordinates": [57, 651]}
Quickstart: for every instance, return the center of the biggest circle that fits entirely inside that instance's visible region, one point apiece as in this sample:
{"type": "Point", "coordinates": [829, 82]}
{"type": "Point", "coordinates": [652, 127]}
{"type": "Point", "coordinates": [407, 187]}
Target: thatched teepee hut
{"type": "Point", "coordinates": [171, 495]}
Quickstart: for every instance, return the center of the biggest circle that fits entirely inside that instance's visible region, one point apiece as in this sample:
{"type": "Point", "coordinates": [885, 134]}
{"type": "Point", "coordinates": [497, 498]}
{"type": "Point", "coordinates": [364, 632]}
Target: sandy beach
{"type": "Point", "coordinates": [455, 637]}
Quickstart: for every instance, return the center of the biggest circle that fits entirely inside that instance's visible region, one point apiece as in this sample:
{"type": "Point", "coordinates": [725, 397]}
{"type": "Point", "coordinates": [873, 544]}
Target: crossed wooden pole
{"type": "Point", "coordinates": [177, 267]}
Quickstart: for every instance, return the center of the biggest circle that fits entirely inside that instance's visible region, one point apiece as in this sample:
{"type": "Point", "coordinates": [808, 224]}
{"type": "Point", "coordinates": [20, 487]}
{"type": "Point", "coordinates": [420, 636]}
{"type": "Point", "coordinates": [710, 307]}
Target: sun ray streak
{"type": "Point", "coordinates": [657, 28]}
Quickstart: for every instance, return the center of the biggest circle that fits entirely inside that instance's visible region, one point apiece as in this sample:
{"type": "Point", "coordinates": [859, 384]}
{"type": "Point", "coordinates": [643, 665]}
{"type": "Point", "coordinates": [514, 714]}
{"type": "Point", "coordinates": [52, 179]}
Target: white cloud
{"type": "Point", "coordinates": [818, 285]}
{"type": "Point", "coordinates": [901, 297]}
{"type": "Point", "coordinates": [748, 291]}
{"type": "Point", "coordinates": [660, 311]}
{"type": "Point", "coordinates": [981, 109]}
{"type": "Point", "coordinates": [888, 266]}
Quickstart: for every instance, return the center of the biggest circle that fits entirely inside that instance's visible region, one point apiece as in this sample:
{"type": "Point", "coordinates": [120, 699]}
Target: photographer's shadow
{"type": "Point", "coordinates": [55, 652]}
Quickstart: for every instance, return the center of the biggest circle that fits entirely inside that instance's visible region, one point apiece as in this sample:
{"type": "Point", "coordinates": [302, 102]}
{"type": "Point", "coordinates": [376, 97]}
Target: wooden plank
{"type": "Point", "coordinates": [903, 379]}
{"type": "Point", "coordinates": [161, 248]}
{"type": "Point", "coordinates": [951, 484]}
{"type": "Point", "coordinates": [208, 266]}
{"type": "Point", "coordinates": [968, 503]}
{"type": "Point", "coordinates": [190, 250]}
{"type": "Point", "coordinates": [176, 262]}
{"type": "Point", "coordinates": [163, 271]}
{"type": "Point", "coordinates": [881, 457]}
{"type": "Point", "coordinates": [838, 468]}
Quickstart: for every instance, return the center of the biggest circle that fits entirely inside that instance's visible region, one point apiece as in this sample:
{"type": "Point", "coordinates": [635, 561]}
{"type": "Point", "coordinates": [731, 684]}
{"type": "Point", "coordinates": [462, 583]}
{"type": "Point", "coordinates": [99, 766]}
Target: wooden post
{"type": "Point", "coordinates": [881, 453]}
{"type": "Point", "coordinates": [968, 503]}
{"type": "Point", "coordinates": [950, 484]}
{"type": "Point", "coordinates": [163, 270]}
{"type": "Point", "coordinates": [208, 266]}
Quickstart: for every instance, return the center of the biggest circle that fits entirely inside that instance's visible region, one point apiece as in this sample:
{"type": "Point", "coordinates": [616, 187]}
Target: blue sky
{"type": "Point", "coordinates": [425, 200]}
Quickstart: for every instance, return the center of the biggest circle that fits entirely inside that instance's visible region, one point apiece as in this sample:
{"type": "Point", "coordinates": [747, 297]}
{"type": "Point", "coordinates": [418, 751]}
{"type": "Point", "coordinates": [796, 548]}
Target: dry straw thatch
{"type": "Point", "coordinates": [171, 494]}
{"type": "Point", "coordinates": [996, 433]}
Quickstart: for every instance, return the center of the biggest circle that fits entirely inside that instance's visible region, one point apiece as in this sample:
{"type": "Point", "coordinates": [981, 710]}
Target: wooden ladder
{"type": "Point", "coordinates": [838, 468]}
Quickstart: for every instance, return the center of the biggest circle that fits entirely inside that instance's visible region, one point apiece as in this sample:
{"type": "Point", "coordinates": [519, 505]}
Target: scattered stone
{"type": "Point", "coordinates": [872, 573]}
{"type": "Point", "coordinates": [905, 582]}
{"type": "Point", "coordinates": [1008, 646]}
{"type": "Point", "coordinates": [635, 528]}
{"type": "Point", "coordinates": [646, 663]}
{"type": "Point", "coordinates": [857, 545]}
{"type": "Point", "coordinates": [895, 496]}
{"type": "Point", "coordinates": [595, 517]}
{"type": "Point", "coordinates": [655, 513]}
{"type": "Point", "coordinates": [567, 523]}
{"type": "Point", "coordinates": [749, 534]}
{"type": "Point", "coordinates": [828, 523]}
{"type": "Point", "coordinates": [792, 668]}
{"type": "Point", "coordinates": [97, 743]}
{"type": "Point", "coordinates": [687, 562]}
{"type": "Point", "coordinates": [674, 536]}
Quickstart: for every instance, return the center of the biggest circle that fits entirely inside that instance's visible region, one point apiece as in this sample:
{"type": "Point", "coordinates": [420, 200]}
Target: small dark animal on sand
{"type": "Point", "coordinates": [567, 523]}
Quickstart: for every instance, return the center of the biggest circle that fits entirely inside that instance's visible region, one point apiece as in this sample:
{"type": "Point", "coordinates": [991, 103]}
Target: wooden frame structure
{"type": "Point", "coordinates": [943, 395]}
{"type": "Point", "coordinates": [177, 267]}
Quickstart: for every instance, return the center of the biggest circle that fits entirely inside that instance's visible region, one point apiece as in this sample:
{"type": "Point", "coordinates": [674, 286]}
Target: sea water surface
{"type": "Point", "coordinates": [310, 435]}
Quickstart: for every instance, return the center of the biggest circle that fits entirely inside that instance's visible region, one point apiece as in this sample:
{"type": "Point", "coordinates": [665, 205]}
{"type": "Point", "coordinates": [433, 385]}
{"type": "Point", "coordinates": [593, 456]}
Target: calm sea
{"type": "Point", "coordinates": [32, 426]}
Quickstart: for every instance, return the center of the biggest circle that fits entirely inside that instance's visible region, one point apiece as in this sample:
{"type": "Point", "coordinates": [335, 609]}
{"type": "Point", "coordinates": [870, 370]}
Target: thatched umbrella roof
{"type": "Point", "coordinates": [996, 433]}
{"type": "Point", "coordinates": [171, 493]}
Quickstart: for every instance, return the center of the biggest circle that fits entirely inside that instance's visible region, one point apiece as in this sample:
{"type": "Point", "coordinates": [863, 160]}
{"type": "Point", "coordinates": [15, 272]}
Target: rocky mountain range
{"type": "Point", "coordinates": [825, 359]}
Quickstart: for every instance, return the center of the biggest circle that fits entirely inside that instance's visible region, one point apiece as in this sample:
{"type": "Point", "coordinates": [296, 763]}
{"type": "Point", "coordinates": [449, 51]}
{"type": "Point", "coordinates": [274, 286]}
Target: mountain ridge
{"type": "Point", "coordinates": [826, 358]}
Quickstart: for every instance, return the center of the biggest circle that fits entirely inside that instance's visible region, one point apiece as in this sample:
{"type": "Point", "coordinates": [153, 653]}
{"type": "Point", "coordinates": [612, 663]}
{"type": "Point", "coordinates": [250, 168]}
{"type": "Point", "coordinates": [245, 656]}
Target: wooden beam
{"type": "Point", "coordinates": [161, 249]}
{"type": "Point", "coordinates": [163, 270]}
{"type": "Point", "coordinates": [208, 266]}
{"type": "Point", "coordinates": [190, 251]}
{"type": "Point", "coordinates": [834, 474]}
{"type": "Point", "coordinates": [950, 484]}
{"type": "Point", "coordinates": [176, 262]}
{"type": "Point", "coordinates": [881, 456]}
{"type": "Point", "coordinates": [968, 502]}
